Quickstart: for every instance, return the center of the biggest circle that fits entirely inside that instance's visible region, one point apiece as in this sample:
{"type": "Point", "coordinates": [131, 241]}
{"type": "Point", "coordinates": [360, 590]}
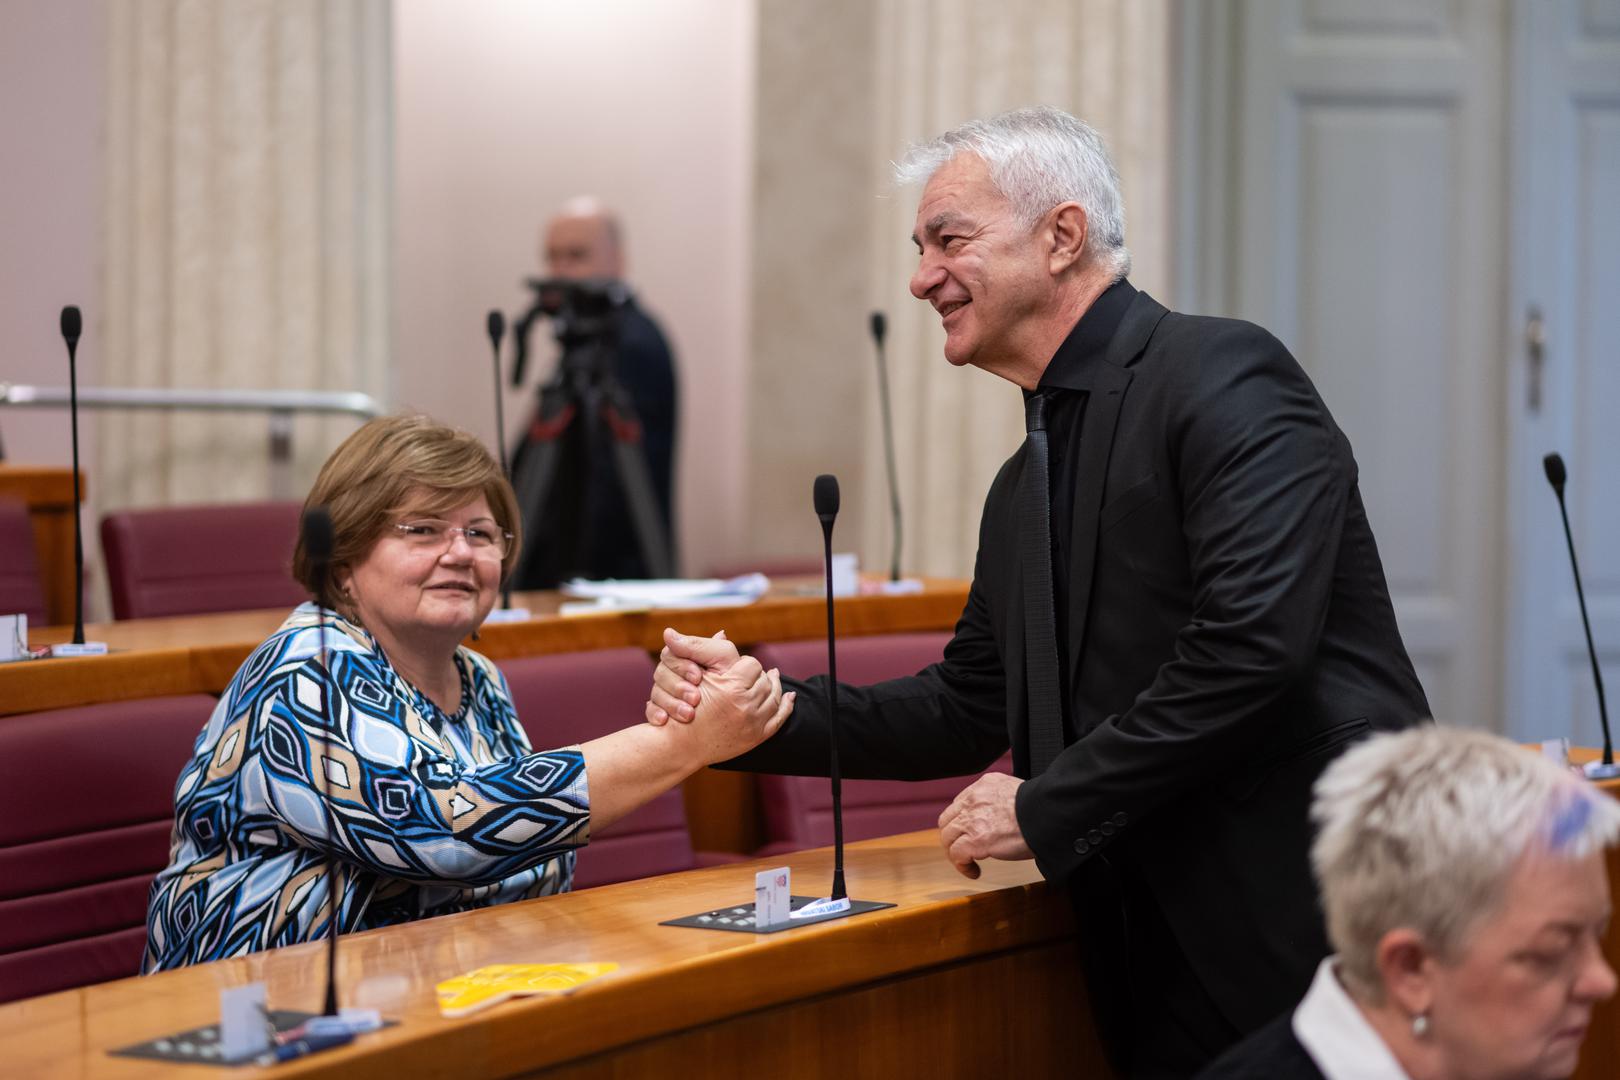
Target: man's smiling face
{"type": "Point", "coordinates": [981, 269]}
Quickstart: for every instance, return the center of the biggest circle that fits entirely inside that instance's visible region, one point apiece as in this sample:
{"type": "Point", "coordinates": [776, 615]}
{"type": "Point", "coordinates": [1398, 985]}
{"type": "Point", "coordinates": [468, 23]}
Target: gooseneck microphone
{"type": "Point", "coordinates": [1556, 476]}
{"type": "Point", "coordinates": [318, 543]}
{"type": "Point", "coordinates": [880, 329]}
{"type": "Point", "coordinates": [826, 500]}
{"type": "Point", "coordinates": [495, 327]}
{"type": "Point", "coordinates": [72, 327]}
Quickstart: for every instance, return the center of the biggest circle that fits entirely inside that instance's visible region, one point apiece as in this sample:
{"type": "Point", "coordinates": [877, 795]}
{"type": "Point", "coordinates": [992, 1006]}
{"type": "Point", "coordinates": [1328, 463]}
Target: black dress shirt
{"type": "Point", "coordinates": [1065, 413]}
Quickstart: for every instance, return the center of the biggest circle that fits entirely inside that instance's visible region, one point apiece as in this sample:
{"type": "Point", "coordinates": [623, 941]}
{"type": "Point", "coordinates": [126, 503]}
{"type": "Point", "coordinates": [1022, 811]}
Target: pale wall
{"type": "Point", "coordinates": [52, 84]}
{"type": "Point", "coordinates": [504, 109]}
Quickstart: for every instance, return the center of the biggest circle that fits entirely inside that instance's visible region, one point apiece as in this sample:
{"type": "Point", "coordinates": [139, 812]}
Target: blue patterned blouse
{"type": "Point", "coordinates": [430, 813]}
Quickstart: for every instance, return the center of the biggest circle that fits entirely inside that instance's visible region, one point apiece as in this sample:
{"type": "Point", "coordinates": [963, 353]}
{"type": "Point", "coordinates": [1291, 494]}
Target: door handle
{"type": "Point", "coordinates": [1535, 345]}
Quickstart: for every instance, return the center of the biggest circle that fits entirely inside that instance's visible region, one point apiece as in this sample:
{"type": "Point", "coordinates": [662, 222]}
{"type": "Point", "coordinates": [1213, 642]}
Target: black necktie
{"type": "Point", "coordinates": [1042, 678]}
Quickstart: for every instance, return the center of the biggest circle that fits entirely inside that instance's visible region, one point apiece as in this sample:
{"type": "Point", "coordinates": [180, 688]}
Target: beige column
{"type": "Point", "coordinates": [1106, 61]}
{"type": "Point", "coordinates": [247, 203]}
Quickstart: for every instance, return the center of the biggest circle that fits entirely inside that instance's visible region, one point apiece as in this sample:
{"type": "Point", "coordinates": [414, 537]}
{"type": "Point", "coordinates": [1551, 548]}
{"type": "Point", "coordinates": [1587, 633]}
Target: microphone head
{"type": "Point", "coordinates": [880, 326]}
{"type": "Point", "coordinates": [319, 537]}
{"type": "Point", "coordinates": [826, 496]}
{"type": "Point", "coordinates": [1554, 464]}
{"type": "Point", "coordinates": [72, 324]}
{"type": "Point", "coordinates": [495, 326]}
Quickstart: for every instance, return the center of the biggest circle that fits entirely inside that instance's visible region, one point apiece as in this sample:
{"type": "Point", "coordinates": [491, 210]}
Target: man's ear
{"type": "Point", "coordinates": [1406, 966]}
{"type": "Point", "coordinates": [1068, 237]}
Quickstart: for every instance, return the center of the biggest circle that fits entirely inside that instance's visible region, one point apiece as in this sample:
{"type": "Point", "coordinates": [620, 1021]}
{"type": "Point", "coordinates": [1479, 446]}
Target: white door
{"type": "Point", "coordinates": [1350, 178]}
{"type": "Point", "coordinates": [1565, 259]}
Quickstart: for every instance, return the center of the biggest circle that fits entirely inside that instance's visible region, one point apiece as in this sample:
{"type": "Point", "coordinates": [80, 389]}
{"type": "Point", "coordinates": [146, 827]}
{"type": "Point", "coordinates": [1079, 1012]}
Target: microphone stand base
{"type": "Point", "coordinates": [740, 917]}
{"type": "Point", "coordinates": [83, 648]}
{"type": "Point", "coordinates": [1596, 770]}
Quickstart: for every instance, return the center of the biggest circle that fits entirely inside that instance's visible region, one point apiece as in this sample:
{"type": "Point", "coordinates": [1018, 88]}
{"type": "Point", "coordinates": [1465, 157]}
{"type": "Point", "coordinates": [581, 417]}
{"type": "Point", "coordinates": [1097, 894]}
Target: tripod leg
{"type": "Point", "coordinates": [536, 474]}
{"type": "Point", "coordinates": [631, 465]}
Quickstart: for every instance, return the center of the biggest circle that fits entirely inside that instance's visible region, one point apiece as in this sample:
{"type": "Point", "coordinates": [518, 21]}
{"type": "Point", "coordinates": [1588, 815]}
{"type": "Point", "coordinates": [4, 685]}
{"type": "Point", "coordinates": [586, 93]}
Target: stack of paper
{"type": "Point", "coordinates": [663, 593]}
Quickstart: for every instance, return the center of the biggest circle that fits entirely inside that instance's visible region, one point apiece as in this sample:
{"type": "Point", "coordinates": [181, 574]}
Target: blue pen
{"type": "Point", "coordinates": [309, 1044]}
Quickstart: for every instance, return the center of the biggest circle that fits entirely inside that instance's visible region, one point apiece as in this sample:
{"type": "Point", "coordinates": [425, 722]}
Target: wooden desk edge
{"type": "Point", "coordinates": [206, 667]}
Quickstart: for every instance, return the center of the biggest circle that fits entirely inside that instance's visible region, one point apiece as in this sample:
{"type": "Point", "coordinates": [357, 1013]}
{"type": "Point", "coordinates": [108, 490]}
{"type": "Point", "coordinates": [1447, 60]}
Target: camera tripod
{"type": "Point", "coordinates": [582, 407]}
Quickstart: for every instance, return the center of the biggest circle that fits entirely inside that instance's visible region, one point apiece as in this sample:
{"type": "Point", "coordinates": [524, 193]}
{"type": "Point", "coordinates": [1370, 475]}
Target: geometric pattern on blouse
{"type": "Point", "coordinates": [427, 814]}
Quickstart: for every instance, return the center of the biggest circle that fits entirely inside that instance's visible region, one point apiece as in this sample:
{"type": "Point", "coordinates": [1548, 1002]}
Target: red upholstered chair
{"type": "Point", "coordinates": [21, 591]}
{"type": "Point", "coordinates": [572, 698]}
{"type": "Point", "coordinates": [772, 567]}
{"type": "Point", "coordinates": [186, 560]}
{"type": "Point", "coordinates": [85, 815]}
{"type": "Point", "coordinates": [798, 809]}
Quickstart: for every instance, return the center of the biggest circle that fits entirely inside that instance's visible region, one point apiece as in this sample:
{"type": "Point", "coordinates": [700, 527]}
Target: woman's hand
{"type": "Point", "coordinates": [730, 702]}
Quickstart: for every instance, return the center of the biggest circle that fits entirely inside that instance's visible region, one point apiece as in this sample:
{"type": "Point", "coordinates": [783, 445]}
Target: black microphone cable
{"type": "Point", "coordinates": [318, 544]}
{"type": "Point", "coordinates": [72, 327]}
{"type": "Point", "coordinates": [826, 501]}
{"type": "Point", "coordinates": [880, 328]}
{"type": "Point", "coordinates": [495, 327]}
{"type": "Point", "coordinates": [1556, 476]}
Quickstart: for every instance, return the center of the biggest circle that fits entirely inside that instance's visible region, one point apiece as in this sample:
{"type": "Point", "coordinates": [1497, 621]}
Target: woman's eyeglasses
{"type": "Point", "coordinates": [432, 535]}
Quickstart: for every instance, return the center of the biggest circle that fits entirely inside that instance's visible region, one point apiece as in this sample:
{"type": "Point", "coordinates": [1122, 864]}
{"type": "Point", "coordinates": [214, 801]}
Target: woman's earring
{"type": "Point", "coordinates": [1420, 1025]}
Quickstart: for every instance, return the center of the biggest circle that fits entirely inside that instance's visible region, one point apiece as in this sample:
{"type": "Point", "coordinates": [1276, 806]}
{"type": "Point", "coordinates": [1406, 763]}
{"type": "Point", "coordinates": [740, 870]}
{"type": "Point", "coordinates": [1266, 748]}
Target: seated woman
{"type": "Point", "coordinates": [1467, 897]}
{"type": "Point", "coordinates": [390, 743]}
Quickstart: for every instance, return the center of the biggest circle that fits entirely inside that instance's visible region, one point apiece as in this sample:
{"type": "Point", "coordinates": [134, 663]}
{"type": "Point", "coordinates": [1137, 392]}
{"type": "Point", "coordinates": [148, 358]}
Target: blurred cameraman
{"type": "Point", "coordinates": [584, 242]}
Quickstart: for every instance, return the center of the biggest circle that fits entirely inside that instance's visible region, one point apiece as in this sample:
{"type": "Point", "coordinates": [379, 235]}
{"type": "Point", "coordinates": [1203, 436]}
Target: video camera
{"type": "Point", "coordinates": [583, 313]}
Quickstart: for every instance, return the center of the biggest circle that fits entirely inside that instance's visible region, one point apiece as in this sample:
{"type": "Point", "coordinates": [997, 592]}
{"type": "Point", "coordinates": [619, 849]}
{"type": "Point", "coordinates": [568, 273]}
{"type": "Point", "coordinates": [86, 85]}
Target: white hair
{"type": "Point", "coordinates": [1422, 829]}
{"type": "Point", "coordinates": [1039, 158]}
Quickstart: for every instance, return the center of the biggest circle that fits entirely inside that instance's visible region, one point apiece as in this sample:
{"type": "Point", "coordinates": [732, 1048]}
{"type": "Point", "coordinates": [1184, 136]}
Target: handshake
{"type": "Point", "coordinates": [731, 701]}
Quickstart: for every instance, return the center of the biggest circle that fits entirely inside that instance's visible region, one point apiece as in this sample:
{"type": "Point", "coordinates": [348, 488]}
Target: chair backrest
{"type": "Point", "coordinates": [187, 560]}
{"type": "Point", "coordinates": [770, 566]}
{"type": "Point", "coordinates": [572, 698]}
{"type": "Point", "coordinates": [86, 811]}
{"type": "Point", "coordinates": [798, 809]}
{"type": "Point", "coordinates": [21, 590]}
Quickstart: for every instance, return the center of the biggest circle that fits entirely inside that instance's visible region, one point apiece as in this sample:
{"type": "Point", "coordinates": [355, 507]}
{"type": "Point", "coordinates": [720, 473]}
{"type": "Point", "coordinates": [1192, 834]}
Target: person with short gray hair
{"type": "Point", "coordinates": [1038, 158]}
{"type": "Point", "coordinates": [1178, 616]}
{"type": "Point", "coordinates": [1467, 899]}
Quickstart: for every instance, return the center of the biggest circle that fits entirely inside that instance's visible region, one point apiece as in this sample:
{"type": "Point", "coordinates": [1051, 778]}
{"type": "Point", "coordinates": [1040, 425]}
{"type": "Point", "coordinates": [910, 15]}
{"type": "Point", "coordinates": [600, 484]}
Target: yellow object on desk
{"type": "Point", "coordinates": [496, 983]}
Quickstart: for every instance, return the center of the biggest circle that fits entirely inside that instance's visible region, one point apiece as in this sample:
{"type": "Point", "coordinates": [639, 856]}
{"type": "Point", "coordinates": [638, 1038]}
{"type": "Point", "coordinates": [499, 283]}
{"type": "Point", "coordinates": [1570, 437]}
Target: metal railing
{"type": "Point", "coordinates": [279, 405]}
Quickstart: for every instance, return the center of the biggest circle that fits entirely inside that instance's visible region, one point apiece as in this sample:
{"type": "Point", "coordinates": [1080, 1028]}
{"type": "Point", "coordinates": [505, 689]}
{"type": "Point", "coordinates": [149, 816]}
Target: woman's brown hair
{"type": "Point", "coordinates": [371, 475]}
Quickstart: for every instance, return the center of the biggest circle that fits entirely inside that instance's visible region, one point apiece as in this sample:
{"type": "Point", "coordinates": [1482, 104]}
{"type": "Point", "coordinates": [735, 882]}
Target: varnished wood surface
{"type": "Point", "coordinates": [47, 491]}
{"type": "Point", "coordinates": [1016, 1014]}
{"type": "Point", "coordinates": [1007, 932]}
{"type": "Point", "coordinates": [199, 653]}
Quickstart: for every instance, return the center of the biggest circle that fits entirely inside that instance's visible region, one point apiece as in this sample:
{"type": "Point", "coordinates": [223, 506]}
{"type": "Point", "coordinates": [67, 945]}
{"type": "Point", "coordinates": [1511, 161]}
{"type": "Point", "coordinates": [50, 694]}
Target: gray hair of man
{"type": "Point", "coordinates": [1422, 829]}
{"type": "Point", "coordinates": [1039, 157]}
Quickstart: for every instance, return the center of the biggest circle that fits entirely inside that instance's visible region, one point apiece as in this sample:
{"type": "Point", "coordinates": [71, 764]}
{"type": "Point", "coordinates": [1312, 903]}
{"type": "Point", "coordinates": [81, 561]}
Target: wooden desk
{"type": "Point", "coordinates": [963, 978]}
{"type": "Point", "coordinates": [47, 491]}
{"type": "Point", "coordinates": [195, 654]}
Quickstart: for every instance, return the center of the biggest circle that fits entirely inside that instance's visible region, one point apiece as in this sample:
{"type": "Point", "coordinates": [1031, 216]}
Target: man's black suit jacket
{"type": "Point", "coordinates": [1229, 631]}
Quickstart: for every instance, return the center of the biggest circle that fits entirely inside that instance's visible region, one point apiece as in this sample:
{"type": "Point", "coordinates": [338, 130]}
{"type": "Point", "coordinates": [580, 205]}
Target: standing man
{"type": "Point", "coordinates": [583, 243]}
{"type": "Point", "coordinates": [1177, 618]}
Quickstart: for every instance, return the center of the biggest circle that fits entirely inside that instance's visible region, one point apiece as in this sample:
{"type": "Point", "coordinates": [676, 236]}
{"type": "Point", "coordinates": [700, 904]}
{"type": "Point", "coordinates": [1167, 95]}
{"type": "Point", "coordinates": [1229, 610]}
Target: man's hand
{"type": "Point", "coordinates": [981, 824]}
{"type": "Point", "coordinates": [734, 704]}
{"type": "Point", "coordinates": [679, 676]}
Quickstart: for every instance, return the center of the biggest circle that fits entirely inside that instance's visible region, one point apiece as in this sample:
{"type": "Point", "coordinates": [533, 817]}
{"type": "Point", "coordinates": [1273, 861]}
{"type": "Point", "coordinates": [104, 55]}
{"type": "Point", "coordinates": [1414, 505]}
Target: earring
{"type": "Point", "coordinates": [1420, 1025]}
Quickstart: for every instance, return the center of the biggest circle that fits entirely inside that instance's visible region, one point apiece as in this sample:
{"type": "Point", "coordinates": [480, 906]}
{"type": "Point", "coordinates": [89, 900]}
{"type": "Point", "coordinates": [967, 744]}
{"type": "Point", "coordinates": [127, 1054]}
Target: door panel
{"type": "Point", "coordinates": [1566, 264]}
{"type": "Point", "coordinates": [1367, 158]}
